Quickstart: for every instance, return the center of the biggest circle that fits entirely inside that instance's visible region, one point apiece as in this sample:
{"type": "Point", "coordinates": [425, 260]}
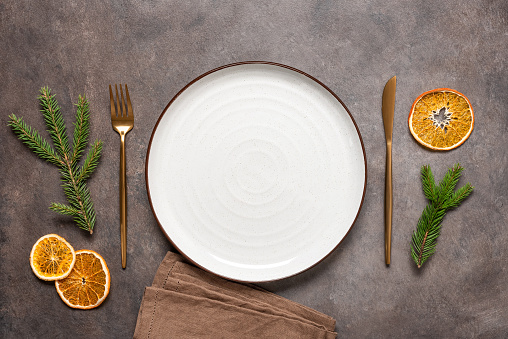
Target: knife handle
{"type": "Point", "coordinates": [388, 203]}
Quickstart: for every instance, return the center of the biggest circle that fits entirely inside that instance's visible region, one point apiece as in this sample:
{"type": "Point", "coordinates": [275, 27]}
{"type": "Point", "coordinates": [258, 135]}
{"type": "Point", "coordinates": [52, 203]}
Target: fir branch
{"type": "Point", "coordinates": [73, 177]}
{"type": "Point", "coordinates": [91, 161]}
{"type": "Point", "coordinates": [429, 185]}
{"type": "Point", "coordinates": [33, 140]}
{"type": "Point", "coordinates": [64, 209]}
{"type": "Point", "coordinates": [459, 196]}
{"type": "Point", "coordinates": [81, 129]}
{"type": "Point", "coordinates": [441, 199]}
{"type": "Point", "coordinates": [54, 121]}
{"type": "Point", "coordinates": [78, 196]}
{"type": "Point", "coordinates": [447, 185]}
{"type": "Point", "coordinates": [424, 240]}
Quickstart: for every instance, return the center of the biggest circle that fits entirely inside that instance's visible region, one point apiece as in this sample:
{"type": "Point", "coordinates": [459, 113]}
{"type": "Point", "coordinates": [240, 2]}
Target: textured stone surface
{"type": "Point", "coordinates": [354, 47]}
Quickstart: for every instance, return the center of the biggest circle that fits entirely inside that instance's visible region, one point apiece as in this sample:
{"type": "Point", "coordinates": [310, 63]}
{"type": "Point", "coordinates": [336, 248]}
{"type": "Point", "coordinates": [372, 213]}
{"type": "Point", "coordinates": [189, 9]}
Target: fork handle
{"type": "Point", "coordinates": [123, 201]}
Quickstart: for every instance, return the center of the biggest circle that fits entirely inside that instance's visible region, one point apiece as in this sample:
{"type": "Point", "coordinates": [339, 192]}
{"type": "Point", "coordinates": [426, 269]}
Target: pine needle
{"type": "Point", "coordinates": [72, 175]}
{"type": "Point", "coordinates": [441, 199]}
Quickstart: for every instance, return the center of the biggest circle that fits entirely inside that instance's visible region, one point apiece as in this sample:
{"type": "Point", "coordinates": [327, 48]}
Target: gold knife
{"type": "Point", "coordinates": [388, 109]}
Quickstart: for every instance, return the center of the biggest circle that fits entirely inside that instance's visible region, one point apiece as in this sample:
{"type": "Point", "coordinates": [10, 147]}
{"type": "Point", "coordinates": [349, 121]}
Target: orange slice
{"type": "Point", "coordinates": [52, 257]}
{"type": "Point", "coordinates": [88, 284]}
{"type": "Point", "coordinates": [441, 119]}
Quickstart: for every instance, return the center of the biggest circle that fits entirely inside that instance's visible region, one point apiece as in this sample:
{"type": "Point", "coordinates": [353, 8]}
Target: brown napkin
{"type": "Point", "coordinates": [187, 302]}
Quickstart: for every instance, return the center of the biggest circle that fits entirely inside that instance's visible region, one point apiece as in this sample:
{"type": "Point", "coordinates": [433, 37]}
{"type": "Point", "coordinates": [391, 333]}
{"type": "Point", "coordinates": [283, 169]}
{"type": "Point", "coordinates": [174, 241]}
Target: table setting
{"type": "Point", "coordinates": [253, 170]}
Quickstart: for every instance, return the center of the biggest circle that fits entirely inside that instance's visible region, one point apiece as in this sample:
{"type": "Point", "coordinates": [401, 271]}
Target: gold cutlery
{"type": "Point", "coordinates": [122, 122]}
{"type": "Point", "coordinates": [388, 109]}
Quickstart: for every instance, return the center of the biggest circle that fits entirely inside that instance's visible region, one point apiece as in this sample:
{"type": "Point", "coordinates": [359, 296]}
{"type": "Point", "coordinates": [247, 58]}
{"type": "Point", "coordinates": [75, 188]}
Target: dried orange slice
{"type": "Point", "coordinates": [52, 257]}
{"type": "Point", "coordinates": [88, 284]}
{"type": "Point", "coordinates": [441, 119]}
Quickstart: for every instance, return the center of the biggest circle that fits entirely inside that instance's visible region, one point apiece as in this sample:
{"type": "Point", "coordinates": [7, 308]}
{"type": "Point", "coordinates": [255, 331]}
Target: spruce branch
{"type": "Point", "coordinates": [447, 185]}
{"type": "Point", "coordinates": [91, 161]}
{"type": "Point", "coordinates": [63, 209]}
{"type": "Point", "coordinates": [429, 185]}
{"type": "Point", "coordinates": [54, 121]}
{"type": "Point", "coordinates": [461, 194]}
{"type": "Point", "coordinates": [442, 198]}
{"type": "Point", "coordinates": [33, 140]}
{"type": "Point", "coordinates": [81, 129]}
{"type": "Point", "coordinates": [72, 175]}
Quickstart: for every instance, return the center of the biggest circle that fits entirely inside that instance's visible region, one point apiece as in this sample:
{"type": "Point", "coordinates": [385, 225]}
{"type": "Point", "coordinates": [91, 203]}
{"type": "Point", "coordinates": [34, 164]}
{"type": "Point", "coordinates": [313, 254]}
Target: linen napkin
{"type": "Point", "coordinates": [187, 302]}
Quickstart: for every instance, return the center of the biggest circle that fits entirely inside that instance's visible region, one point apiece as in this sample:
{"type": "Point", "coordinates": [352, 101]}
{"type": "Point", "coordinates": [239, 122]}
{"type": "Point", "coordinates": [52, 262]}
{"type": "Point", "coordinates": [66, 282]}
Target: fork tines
{"type": "Point", "coordinates": [116, 113]}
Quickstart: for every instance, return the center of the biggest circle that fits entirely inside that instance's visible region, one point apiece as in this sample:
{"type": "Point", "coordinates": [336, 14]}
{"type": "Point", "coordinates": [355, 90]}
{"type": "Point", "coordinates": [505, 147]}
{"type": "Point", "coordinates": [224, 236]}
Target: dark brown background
{"type": "Point", "coordinates": [354, 47]}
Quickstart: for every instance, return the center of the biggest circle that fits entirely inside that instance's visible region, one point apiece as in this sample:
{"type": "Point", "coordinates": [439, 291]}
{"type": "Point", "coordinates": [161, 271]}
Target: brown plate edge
{"type": "Point", "coordinates": [249, 63]}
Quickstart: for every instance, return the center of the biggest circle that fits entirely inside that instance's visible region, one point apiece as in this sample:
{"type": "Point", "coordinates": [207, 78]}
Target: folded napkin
{"type": "Point", "coordinates": [187, 302]}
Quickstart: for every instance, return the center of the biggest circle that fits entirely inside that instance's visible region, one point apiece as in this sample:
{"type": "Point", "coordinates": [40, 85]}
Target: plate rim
{"type": "Point", "coordinates": [240, 63]}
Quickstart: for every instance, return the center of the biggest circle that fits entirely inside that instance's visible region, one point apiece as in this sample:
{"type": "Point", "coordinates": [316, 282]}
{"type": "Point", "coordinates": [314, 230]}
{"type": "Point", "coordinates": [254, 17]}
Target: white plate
{"type": "Point", "coordinates": [255, 171]}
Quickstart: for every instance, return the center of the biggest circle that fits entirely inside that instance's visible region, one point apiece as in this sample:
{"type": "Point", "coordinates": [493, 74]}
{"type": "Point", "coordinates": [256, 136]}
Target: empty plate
{"type": "Point", "coordinates": [255, 171]}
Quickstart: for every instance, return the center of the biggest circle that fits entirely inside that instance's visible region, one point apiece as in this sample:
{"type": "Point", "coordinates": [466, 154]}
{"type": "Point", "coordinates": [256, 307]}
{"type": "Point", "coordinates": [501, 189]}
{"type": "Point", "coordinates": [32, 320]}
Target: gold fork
{"type": "Point", "coordinates": [122, 122]}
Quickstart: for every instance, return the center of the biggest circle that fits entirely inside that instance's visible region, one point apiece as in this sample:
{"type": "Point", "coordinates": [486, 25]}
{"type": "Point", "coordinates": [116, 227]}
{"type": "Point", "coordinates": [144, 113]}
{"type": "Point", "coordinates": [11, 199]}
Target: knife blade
{"type": "Point", "coordinates": [387, 108]}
